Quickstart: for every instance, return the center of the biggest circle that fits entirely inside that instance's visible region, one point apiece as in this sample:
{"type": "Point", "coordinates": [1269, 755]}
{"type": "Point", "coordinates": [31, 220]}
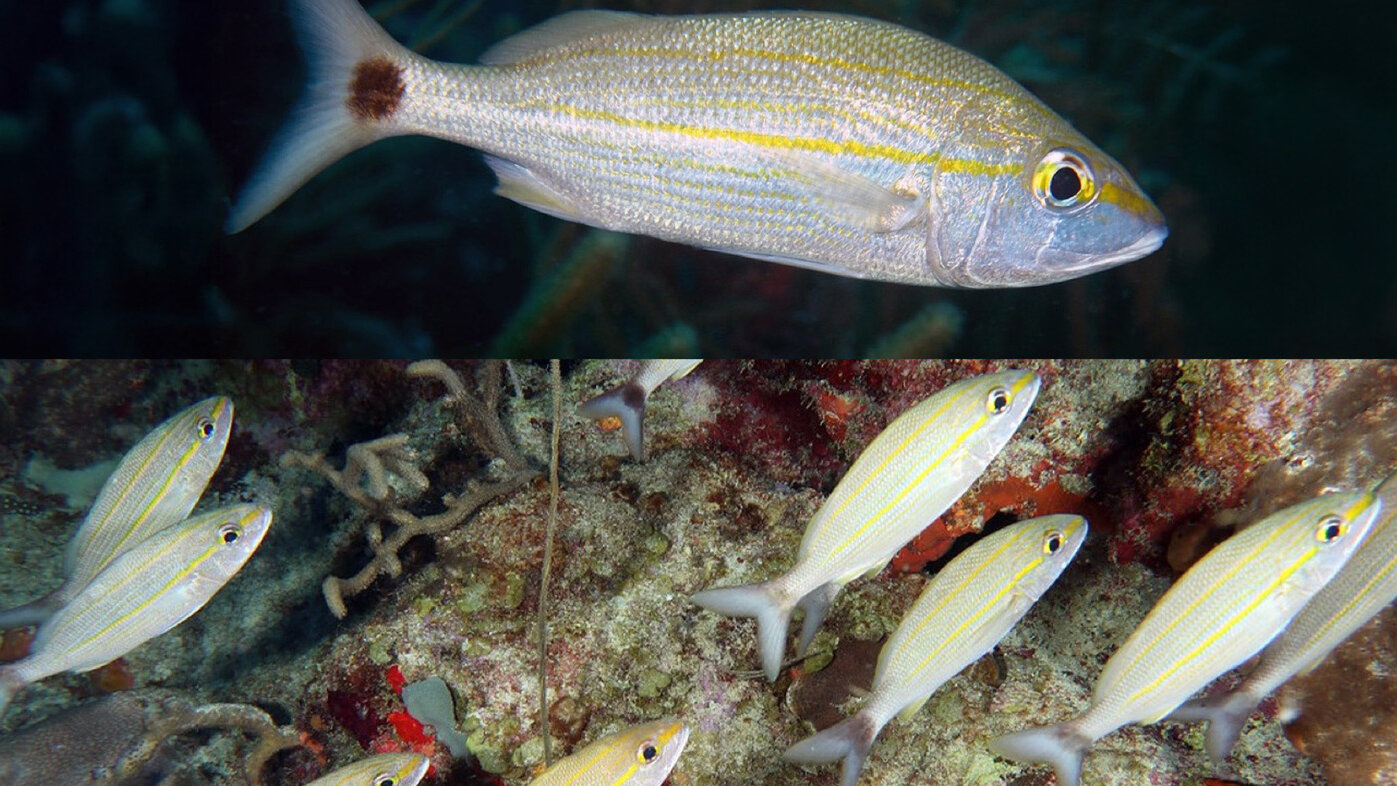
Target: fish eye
{"type": "Point", "coordinates": [204, 429]}
{"type": "Point", "coordinates": [385, 780]}
{"type": "Point", "coordinates": [1052, 542]}
{"type": "Point", "coordinates": [647, 752]}
{"type": "Point", "coordinates": [1330, 529]}
{"type": "Point", "coordinates": [229, 533]}
{"type": "Point", "coordinates": [998, 401]}
{"type": "Point", "coordinates": [1064, 179]}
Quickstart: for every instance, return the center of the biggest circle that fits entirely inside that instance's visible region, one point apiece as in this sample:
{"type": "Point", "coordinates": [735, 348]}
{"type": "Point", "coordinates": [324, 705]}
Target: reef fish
{"type": "Point", "coordinates": [906, 477]}
{"type": "Point", "coordinates": [1365, 585]}
{"type": "Point", "coordinates": [152, 587]}
{"type": "Point", "coordinates": [385, 769]}
{"type": "Point", "coordinates": [639, 756]}
{"type": "Point", "coordinates": [156, 484]}
{"type": "Point", "coordinates": [839, 143]}
{"type": "Point", "coordinates": [960, 615]}
{"type": "Point", "coordinates": [627, 402]}
{"type": "Point", "coordinates": [1223, 610]}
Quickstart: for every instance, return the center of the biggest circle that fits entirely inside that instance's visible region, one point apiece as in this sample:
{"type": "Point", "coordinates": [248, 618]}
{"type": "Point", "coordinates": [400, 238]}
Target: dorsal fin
{"type": "Point", "coordinates": [564, 29]}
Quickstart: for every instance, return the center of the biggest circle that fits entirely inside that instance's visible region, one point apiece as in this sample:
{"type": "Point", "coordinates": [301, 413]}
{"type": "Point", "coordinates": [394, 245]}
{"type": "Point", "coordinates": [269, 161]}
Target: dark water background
{"type": "Point", "coordinates": [1264, 130]}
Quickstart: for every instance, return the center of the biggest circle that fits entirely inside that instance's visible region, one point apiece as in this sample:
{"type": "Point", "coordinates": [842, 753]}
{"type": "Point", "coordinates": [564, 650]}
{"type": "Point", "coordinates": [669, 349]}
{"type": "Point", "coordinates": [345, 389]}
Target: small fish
{"type": "Point", "coordinates": [385, 769]}
{"type": "Point", "coordinates": [152, 587]}
{"type": "Point", "coordinates": [639, 756]}
{"type": "Point", "coordinates": [627, 402]}
{"type": "Point", "coordinates": [155, 486]}
{"type": "Point", "coordinates": [1365, 585]}
{"type": "Point", "coordinates": [1222, 611]}
{"type": "Point", "coordinates": [906, 477]}
{"type": "Point", "coordinates": [960, 615]}
{"type": "Point", "coordinates": [847, 145]}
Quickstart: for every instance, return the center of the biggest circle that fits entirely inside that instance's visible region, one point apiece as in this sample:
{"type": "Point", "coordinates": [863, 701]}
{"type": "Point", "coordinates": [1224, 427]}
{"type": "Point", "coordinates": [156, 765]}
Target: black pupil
{"type": "Point", "coordinates": [1065, 184]}
{"type": "Point", "coordinates": [231, 536]}
{"type": "Point", "coordinates": [649, 752]}
{"type": "Point", "coordinates": [384, 782]}
{"type": "Point", "coordinates": [206, 429]}
{"type": "Point", "coordinates": [1000, 402]}
{"type": "Point", "coordinates": [1331, 532]}
{"type": "Point", "coordinates": [1053, 544]}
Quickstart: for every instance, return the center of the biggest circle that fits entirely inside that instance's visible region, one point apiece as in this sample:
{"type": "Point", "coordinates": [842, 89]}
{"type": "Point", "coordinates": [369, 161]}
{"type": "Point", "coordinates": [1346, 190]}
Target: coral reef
{"type": "Point", "coordinates": [741, 454]}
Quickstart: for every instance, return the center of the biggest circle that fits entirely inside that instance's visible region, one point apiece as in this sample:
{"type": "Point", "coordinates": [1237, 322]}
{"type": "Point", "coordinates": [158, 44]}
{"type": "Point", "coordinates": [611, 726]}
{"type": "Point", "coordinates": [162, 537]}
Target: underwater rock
{"type": "Point", "coordinates": [1348, 707]}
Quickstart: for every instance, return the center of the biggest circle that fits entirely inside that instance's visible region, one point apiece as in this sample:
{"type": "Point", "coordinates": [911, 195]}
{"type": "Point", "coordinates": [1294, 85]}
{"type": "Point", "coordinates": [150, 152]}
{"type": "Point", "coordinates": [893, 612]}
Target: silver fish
{"type": "Point", "coordinates": [838, 143]}
{"type": "Point", "coordinates": [907, 476]}
{"type": "Point", "coordinates": [1366, 585]}
{"type": "Point", "coordinates": [152, 587]}
{"type": "Point", "coordinates": [385, 769]}
{"type": "Point", "coordinates": [959, 616]}
{"type": "Point", "coordinates": [1222, 611]}
{"type": "Point", "coordinates": [155, 486]}
{"type": "Point", "coordinates": [639, 756]}
{"type": "Point", "coordinates": [627, 402]}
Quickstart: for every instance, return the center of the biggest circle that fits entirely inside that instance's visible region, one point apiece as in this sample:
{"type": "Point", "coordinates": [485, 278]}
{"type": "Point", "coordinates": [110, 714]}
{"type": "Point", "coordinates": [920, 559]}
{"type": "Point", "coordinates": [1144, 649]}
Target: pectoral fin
{"type": "Point", "coordinates": [851, 199]}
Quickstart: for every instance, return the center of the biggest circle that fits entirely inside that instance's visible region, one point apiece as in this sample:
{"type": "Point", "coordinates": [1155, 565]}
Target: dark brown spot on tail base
{"type": "Point", "coordinates": [377, 89]}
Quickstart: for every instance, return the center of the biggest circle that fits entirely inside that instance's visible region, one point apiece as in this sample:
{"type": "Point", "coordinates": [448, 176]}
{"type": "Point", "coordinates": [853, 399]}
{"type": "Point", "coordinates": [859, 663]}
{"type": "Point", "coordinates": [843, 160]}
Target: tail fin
{"type": "Point", "coordinates": [816, 606]}
{"type": "Point", "coordinates": [626, 402]}
{"type": "Point", "coordinates": [33, 613]}
{"type": "Point", "coordinates": [762, 601]}
{"type": "Point", "coordinates": [1061, 746]}
{"type": "Point", "coordinates": [849, 740]}
{"type": "Point", "coordinates": [1225, 715]}
{"type": "Point", "coordinates": [10, 684]}
{"type": "Point", "coordinates": [355, 83]}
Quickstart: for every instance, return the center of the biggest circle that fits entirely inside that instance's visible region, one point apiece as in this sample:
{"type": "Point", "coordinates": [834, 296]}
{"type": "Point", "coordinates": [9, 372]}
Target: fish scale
{"type": "Point", "coordinates": [844, 144]}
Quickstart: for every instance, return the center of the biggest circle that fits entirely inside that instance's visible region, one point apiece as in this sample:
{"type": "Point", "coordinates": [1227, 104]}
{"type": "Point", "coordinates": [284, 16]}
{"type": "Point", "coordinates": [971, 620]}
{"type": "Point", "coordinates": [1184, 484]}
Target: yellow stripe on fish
{"type": "Point", "coordinates": [959, 616]}
{"type": "Point", "coordinates": [907, 476]}
{"type": "Point", "coordinates": [1228, 606]}
{"type": "Point", "coordinates": [883, 153]}
{"type": "Point", "coordinates": [385, 769]}
{"type": "Point", "coordinates": [1365, 585]}
{"type": "Point", "coordinates": [155, 486]}
{"type": "Point", "coordinates": [639, 756]}
{"type": "Point", "coordinates": [152, 587]}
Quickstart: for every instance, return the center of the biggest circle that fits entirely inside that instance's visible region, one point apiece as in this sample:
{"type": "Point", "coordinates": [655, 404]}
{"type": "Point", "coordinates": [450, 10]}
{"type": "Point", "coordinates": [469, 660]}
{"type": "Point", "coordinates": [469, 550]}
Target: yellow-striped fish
{"type": "Point", "coordinates": [906, 477]}
{"type": "Point", "coordinates": [846, 145]}
{"type": "Point", "coordinates": [152, 587]}
{"type": "Point", "coordinates": [1365, 585]}
{"type": "Point", "coordinates": [1222, 611]}
{"type": "Point", "coordinates": [639, 756]}
{"type": "Point", "coordinates": [385, 769]}
{"type": "Point", "coordinates": [155, 486]}
{"type": "Point", "coordinates": [627, 402]}
{"type": "Point", "coordinates": [960, 615]}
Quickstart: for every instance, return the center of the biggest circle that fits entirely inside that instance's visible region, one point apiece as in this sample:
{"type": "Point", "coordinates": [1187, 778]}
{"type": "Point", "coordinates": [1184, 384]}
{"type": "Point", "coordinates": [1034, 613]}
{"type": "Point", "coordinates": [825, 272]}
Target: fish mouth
{"type": "Point", "coordinates": [1071, 264]}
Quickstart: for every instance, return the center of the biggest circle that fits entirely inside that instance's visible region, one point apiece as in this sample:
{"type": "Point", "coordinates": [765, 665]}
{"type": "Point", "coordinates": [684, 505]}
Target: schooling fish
{"type": "Point", "coordinates": [385, 769]}
{"type": "Point", "coordinates": [155, 486]}
{"type": "Point", "coordinates": [960, 615]}
{"type": "Point", "coordinates": [627, 402]}
{"type": "Point", "coordinates": [906, 477]}
{"type": "Point", "coordinates": [1365, 585]}
{"type": "Point", "coordinates": [1219, 613]}
{"type": "Point", "coordinates": [639, 756]}
{"type": "Point", "coordinates": [838, 143]}
{"type": "Point", "coordinates": [152, 587]}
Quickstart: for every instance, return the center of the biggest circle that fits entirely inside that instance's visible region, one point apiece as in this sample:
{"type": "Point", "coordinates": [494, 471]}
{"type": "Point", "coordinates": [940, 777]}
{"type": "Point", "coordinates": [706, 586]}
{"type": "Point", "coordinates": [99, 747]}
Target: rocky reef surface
{"type": "Point", "coordinates": [1164, 458]}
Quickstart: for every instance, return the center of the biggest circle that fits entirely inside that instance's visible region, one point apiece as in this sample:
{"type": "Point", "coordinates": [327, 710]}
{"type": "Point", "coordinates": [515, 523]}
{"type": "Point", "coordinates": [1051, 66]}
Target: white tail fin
{"type": "Point", "coordinates": [849, 740]}
{"type": "Point", "coordinates": [1061, 746]}
{"type": "Point", "coordinates": [1225, 715]}
{"type": "Point", "coordinates": [762, 601]}
{"type": "Point", "coordinates": [355, 84]}
{"type": "Point", "coordinates": [626, 402]}
{"type": "Point", "coordinates": [33, 613]}
{"type": "Point", "coordinates": [10, 684]}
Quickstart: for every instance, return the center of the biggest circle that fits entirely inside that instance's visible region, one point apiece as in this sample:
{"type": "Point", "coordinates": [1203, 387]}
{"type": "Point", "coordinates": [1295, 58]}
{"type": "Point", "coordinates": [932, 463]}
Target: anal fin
{"type": "Point", "coordinates": [520, 184]}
